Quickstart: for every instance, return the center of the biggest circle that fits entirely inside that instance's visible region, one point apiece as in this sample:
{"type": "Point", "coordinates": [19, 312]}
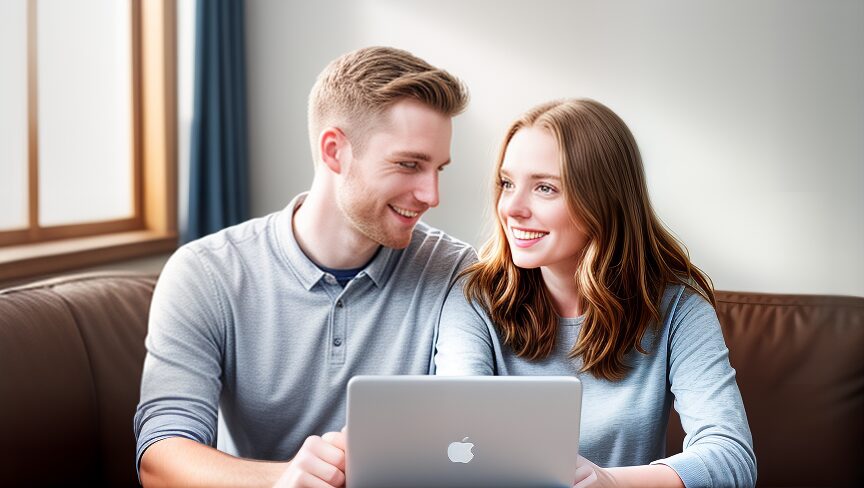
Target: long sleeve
{"type": "Point", "coordinates": [718, 447]}
{"type": "Point", "coordinates": [464, 346]}
{"type": "Point", "coordinates": [181, 382]}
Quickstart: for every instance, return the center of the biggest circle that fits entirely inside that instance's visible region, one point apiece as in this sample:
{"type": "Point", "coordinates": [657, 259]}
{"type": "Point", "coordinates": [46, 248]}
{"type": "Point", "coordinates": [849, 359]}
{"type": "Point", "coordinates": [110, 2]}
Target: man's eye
{"type": "Point", "coordinates": [408, 164]}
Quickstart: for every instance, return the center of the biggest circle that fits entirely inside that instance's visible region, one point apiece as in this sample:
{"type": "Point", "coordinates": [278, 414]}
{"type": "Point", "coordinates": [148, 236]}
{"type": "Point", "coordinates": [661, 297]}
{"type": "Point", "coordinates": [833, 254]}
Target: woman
{"type": "Point", "coordinates": [581, 278]}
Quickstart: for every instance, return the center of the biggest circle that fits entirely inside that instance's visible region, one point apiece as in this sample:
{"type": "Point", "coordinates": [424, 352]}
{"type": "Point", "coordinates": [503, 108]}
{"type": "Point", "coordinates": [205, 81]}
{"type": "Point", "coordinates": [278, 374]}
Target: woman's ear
{"type": "Point", "coordinates": [335, 148]}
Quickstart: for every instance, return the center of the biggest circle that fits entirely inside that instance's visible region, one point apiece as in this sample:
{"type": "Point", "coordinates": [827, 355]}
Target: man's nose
{"type": "Point", "coordinates": [427, 189]}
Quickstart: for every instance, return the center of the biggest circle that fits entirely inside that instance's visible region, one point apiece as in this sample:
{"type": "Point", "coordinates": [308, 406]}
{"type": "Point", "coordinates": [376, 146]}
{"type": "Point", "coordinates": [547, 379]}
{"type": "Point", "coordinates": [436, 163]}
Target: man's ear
{"type": "Point", "coordinates": [335, 148]}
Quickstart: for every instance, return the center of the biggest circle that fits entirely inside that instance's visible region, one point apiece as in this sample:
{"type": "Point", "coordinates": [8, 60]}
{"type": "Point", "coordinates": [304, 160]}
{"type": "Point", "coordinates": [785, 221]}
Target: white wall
{"type": "Point", "coordinates": [749, 114]}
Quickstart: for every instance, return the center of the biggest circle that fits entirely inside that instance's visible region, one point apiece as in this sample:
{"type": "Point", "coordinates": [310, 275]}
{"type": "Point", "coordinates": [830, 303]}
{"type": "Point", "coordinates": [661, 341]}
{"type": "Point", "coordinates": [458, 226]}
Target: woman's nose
{"type": "Point", "coordinates": [514, 205]}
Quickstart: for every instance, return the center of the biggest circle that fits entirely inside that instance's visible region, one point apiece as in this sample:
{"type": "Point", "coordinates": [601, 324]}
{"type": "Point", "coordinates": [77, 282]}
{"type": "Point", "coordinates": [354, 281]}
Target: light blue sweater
{"type": "Point", "coordinates": [624, 423]}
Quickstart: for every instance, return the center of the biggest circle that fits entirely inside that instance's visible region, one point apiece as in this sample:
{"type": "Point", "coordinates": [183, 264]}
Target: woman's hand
{"type": "Point", "coordinates": [655, 475]}
{"type": "Point", "coordinates": [589, 474]}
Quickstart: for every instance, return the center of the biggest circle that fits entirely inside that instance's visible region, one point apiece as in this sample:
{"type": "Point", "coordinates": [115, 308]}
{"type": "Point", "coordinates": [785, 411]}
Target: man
{"type": "Point", "coordinates": [269, 319]}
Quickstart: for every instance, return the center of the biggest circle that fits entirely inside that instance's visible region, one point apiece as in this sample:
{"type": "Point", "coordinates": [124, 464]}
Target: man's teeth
{"type": "Point", "coordinates": [405, 213]}
{"type": "Point", "coordinates": [521, 234]}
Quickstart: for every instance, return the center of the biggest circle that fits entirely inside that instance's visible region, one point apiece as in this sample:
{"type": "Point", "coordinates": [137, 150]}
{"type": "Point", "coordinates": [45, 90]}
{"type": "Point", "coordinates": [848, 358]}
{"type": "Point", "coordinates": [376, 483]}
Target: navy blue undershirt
{"type": "Point", "coordinates": [343, 276]}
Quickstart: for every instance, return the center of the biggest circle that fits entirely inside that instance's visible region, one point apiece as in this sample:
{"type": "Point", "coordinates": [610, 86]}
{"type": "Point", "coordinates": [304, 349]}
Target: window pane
{"type": "Point", "coordinates": [13, 114]}
{"type": "Point", "coordinates": [85, 128]}
{"type": "Point", "coordinates": [185, 102]}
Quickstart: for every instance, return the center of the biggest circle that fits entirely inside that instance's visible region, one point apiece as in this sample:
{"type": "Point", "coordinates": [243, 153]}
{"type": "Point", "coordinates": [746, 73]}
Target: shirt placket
{"type": "Point", "coordinates": [338, 321]}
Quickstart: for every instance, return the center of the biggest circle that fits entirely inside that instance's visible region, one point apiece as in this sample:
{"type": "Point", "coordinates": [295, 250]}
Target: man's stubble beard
{"type": "Point", "coordinates": [353, 201]}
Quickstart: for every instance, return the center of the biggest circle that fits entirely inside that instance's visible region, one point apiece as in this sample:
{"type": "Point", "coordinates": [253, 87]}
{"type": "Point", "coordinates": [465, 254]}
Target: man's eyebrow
{"type": "Point", "coordinates": [412, 155]}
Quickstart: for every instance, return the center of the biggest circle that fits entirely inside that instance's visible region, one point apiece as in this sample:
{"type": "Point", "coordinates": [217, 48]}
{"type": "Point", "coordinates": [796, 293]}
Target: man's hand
{"type": "Point", "coordinates": [320, 463]}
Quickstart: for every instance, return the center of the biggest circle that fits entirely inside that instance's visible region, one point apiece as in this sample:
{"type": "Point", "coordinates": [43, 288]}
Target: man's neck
{"type": "Point", "coordinates": [326, 237]}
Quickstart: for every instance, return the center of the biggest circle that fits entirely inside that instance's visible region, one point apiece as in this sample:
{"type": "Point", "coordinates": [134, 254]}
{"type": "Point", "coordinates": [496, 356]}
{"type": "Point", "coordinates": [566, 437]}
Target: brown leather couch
{"type": "Point", "coordinates": [800, 367]}
{"type": "Point", "coordinates": [71, 352]}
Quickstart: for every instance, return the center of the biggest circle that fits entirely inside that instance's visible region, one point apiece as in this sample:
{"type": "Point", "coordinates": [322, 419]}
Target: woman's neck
{"type": "Point", "coordinates": [560, 281]}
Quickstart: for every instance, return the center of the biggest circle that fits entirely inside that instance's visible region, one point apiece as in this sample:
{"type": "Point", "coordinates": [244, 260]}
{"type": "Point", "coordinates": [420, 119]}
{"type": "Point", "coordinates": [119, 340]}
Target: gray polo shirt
{"type": "Point", "coordinates": [242, 319]}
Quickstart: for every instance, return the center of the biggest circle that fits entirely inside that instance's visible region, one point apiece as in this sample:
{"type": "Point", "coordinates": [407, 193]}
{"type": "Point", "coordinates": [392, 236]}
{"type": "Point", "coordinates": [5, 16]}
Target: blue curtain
{"type": "Point", "coordinates": [218, 172]}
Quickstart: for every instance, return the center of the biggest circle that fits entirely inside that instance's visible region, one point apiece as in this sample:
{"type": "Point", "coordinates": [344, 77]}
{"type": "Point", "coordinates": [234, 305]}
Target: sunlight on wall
{"type": "Point", "coordinates": [749, 116]}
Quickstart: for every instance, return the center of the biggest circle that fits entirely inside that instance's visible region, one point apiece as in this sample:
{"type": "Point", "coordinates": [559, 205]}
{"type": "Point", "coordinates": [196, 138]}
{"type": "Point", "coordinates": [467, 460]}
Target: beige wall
{"type": "Point", "coordinates": [750, 114]}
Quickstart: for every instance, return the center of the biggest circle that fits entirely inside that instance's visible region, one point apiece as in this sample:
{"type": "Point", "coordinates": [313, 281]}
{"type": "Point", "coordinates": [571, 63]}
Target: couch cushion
{"type": "Point", "coordinates": [800, 366]}
{"type": "Point", "coordinates": [71, 353]}
{"type": "Point", "coordinates": [48, 413]}
{"type": "Point", "coordinates": [111, 314]}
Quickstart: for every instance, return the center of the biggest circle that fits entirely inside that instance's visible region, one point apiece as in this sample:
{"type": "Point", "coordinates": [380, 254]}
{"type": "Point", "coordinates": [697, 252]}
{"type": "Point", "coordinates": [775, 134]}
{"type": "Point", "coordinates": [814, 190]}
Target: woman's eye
{"type": "Point", "coordinates": [505, 184]}
{"type": "Point", "coordinates": [408, 164]}
{"type": "Point", "coordinates": [545, 189]}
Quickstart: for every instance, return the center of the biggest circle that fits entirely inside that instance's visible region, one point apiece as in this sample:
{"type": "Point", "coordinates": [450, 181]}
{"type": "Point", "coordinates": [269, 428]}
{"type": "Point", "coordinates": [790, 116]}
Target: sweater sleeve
{"type": "Point", "coordinates": [718, 446]}
{"type": "Point", "coordinates": [181, 380]}
{"type": "Point", "coordinates": [464, 345]}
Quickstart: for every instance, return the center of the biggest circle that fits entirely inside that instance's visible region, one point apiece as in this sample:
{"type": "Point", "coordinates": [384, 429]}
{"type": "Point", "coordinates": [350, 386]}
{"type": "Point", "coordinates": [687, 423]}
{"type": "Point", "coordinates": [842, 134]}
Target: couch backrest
{"type": "Point", "coordinates": [72, 350]}
{"type": "Point", "coordinates": [71, 354]}
{"type": "Point", "coordinates": [800, 366]}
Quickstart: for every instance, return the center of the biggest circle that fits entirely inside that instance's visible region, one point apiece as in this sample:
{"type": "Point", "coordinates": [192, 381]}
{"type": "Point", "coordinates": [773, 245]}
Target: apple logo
{"type": "Point", "coordinates": [460, 452]}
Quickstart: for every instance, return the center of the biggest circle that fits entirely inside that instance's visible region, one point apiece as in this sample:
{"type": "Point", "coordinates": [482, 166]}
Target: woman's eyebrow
{"type": "Point", "coordinates": [533, 176]}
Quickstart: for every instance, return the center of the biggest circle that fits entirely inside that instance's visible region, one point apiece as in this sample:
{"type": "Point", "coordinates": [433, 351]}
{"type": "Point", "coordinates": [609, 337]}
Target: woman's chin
{"type": "Point", "coordinates": [524, 263]}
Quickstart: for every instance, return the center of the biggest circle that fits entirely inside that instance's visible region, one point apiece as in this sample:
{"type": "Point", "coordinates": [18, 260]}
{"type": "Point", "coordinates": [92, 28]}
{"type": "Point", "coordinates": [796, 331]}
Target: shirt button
{"type": "Point", "coordinates": [330, 279]}
{"type": "Point", "coordinates": [337, 342]}
{"type": "Point", "coordinates": [339, 304]}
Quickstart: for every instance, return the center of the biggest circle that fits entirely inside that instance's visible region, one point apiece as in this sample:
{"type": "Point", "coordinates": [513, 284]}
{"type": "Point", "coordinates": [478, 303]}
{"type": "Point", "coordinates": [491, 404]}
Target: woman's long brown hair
{"type": "Point", "coordinates": [628, 261]}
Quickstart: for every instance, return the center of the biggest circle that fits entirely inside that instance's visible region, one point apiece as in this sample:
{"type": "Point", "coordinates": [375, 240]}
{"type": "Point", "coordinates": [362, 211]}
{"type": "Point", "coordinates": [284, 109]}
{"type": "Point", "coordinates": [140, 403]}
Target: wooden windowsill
{"type": "Point", "coordinates": [29, 260]}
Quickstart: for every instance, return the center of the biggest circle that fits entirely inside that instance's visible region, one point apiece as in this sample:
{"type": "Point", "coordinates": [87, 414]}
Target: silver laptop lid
{"type": "Point", "coordinates": [428, 431]}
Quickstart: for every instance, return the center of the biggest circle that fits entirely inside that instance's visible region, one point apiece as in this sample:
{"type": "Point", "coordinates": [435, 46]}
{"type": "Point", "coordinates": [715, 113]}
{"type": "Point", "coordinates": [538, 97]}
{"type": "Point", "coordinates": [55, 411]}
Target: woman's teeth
{"type": "Point", "coordinates": [521, 234]}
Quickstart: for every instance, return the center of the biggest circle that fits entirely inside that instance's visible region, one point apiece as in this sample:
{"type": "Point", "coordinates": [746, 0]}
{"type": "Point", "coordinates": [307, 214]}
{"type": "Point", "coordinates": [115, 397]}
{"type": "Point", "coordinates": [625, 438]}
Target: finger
{"type": "Point", "coordinates": [586, 476]}
{"type": "Point", "coordinates": [322, 470]}
{"type": "Point", "coordinates": [308, 480]}
{"type": "Point", "coordinates": [583, 472]}
{"type": "Point", "coordinates": [295, 477]}
{"type": "Point", "coordinates": [328, 437]}
{"type": "Point", "coordinates": [327, 452]}
{"type": "Point", "coordinates": [581, 461]}
{"type": "Point", "coordinates": [338, 439]}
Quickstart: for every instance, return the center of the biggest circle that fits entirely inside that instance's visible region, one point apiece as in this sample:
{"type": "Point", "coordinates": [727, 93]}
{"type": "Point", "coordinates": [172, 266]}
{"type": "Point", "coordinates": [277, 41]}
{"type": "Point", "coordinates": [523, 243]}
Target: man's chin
{"type": "Point", "coordinates": [397, 241]}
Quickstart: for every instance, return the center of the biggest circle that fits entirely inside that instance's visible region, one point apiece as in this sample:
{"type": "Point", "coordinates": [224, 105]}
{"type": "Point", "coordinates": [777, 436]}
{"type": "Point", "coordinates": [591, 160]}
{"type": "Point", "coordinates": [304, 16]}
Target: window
{"type": "Point", "coordinates": [88, 135]}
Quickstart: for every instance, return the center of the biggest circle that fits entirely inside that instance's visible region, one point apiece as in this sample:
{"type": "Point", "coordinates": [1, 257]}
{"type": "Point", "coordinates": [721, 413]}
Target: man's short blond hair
{"type": "Point", "coordinates": [354, 89]}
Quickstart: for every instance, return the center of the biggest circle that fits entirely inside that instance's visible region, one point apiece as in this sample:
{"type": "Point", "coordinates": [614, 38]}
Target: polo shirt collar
{"type": "Point", "coordinates": [308, 273]}
{"type": "Point", "coordinates": [379, 269]}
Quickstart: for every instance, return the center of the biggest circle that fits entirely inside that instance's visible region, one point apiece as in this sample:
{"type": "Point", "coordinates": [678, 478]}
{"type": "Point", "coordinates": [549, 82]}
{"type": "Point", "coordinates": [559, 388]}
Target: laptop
{"type": "Point", "coordinates": [477, 431]}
